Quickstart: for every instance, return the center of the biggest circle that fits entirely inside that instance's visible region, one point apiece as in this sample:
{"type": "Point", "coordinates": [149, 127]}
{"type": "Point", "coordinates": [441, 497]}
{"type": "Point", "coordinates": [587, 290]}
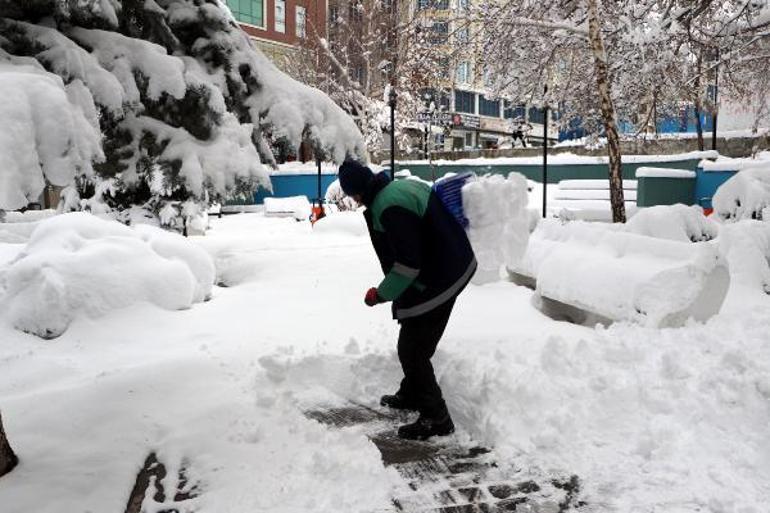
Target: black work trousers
{"type": "Point", "coordinates": [417, 342]}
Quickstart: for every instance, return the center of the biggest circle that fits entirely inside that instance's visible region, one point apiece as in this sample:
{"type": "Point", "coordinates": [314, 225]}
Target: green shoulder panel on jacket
{"type": "Point", "coordinates": [412, 195]}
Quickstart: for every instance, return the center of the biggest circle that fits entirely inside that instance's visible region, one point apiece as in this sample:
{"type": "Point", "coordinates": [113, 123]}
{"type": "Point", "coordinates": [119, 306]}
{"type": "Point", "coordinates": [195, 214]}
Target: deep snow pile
{"type": "Point", "coordinates": [745, 246]}
{"type": "Point", "coordinates": [498, 229]}
{"type": "Point", "coordinates": [79, 265]}
{"type": "Point", "coordinates": [746, 195]}
{"type": "Point", "coordinates": [671, 421]}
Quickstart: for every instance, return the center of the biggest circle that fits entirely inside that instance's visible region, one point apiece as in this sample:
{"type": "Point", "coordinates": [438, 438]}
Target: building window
{"type": "Point", "coordinates": [462, 5]}
{"type": "Point", "coordinates": [356, 12]}
{"type": "Point", "coordinates": [280, 15]}
{"type": "Point", "coordinates": [536, 115]}
{"type": "Point", "coordinates": [359, 75]}
{"type": "Point", "coordinates": [248, 11]}
{"type": "Point", "coordinates": [469, 139]}
{"type": "Point", "coordinates": [300, 14]}
{"type": "Point", "coordinates": [334, 14]}
{"type": "Point", "coordinates": [489, 107]}
{"type": "Point", "coordinates": [514, 111]}
{"type": "Point", "coordinates": [432, 4]}
{"type": "Point", "coordinates": [463, 73]}
{"type": "Point", "coordinates": [465, 102]}
{"type": "Point", "coordinates": [463, 35]}
{"type": "Point", "coordinates": [439, 33]}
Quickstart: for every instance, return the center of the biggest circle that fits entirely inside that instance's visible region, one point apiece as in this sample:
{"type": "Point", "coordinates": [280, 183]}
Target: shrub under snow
{"type": "Point", "coordinates": [77, 264]}
{"type": "Point", "coordinates": [674, 222]}
{"type": "Point", "coordinates": [744, 196]}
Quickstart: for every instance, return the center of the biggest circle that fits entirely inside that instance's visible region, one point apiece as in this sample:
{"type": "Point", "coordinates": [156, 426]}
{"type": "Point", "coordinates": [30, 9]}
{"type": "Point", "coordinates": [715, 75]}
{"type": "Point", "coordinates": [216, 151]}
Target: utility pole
{"type": "Point", "coordinates": [545, 148]}
{"type": "Point", "coordinates": [715, 108]}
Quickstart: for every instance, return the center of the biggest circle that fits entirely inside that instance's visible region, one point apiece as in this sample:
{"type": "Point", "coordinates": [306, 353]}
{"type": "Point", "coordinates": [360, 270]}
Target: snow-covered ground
{"type": "Point", "coordinates": [672, 420]}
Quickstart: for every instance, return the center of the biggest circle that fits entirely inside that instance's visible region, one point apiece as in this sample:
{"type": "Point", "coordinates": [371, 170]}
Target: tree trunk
{"type": "Point", "coordinates": [8, 459]}
{"type": "Point", "coordinates": [608, 112]}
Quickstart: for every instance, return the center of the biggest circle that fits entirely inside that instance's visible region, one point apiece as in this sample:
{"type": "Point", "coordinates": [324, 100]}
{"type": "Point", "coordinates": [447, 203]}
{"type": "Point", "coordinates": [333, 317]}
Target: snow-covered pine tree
{"type": "Point", "coordinates": [186, 109]}
{"type": "Point", "coordinates": [8, 459]}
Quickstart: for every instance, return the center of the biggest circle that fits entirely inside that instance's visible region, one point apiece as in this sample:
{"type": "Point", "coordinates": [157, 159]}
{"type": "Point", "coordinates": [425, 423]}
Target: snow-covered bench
{"type": "Point", "coordinates": [589, 199]}
{"type": "Point", "coordinates": [587, 272]}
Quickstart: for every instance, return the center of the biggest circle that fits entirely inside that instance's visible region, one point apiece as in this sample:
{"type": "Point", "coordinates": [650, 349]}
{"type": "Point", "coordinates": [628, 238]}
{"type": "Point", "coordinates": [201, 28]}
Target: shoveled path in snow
{"type": "Point", "coordinates": [447, 475]}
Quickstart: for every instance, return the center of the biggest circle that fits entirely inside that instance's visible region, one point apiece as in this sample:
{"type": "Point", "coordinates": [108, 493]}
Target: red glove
{"type": "Point", "coordinates": [372, 298]}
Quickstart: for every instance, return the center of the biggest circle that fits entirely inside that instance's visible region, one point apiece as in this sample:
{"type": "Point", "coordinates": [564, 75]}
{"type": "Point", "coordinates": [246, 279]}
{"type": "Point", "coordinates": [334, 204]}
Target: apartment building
{"type": "Point", "coordinates": [278, 26]}
{"type": "Point", "coordinates": [476, 118]}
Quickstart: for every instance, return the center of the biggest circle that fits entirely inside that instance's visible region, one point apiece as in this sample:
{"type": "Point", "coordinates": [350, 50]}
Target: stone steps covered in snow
{"type": "Point", "coordinates": [610, 275]}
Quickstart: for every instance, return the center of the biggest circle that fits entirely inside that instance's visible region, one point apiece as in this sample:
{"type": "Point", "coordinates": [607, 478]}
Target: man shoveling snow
{"type": "Point", "coordinates": [427, 260]}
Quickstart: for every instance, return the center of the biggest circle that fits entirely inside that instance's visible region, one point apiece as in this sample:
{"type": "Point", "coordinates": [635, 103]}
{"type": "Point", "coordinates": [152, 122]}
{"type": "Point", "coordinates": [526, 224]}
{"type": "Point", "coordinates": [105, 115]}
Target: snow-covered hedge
{"type": "Point", "coordinates": [744, 196]}
{"type": "Point", "coordinates": [496, 208]}
{"type": "Point", "coordinates": [625, 276]}
{"type": "Point", "coordinates": [77, 264]}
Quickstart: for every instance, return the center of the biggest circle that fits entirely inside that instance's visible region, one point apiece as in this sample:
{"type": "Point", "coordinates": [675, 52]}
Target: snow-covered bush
{"type": "Point", "coordinates": [336, 196]}
{"type": "Point", "coordinates": [49, 134]}
{"type": "Point", "coordinates": [187, 108]}
{"type": "Point", "coordinates": [674, 222]}
{"type": "Point", "coordinates": [744, 196]}
{"type": "Point", "coordinates": [77, 264]}
{"type": "Point", "coordinates": [496, 208]}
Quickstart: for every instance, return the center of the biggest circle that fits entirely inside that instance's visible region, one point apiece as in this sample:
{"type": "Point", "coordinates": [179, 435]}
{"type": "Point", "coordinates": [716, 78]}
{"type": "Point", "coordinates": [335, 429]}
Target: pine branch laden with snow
{"type": "Point", "coordinates": [164, 100]}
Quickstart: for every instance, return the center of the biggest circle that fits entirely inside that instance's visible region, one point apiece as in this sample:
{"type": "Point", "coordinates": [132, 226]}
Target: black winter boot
{"type": "Point", "coordinates": [397, 402]}
{"type": "Point", "coordinates": [426, 427]}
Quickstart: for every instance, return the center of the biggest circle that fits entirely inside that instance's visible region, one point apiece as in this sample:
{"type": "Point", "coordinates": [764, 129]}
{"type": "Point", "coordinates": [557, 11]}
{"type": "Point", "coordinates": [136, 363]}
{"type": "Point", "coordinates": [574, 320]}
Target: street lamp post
{"type": "Point", "coordinates": [392, 103]}
{"type": "Point", "coordinates": [714, 110]}
{"type": "Point", "coordinates": [545, 147]}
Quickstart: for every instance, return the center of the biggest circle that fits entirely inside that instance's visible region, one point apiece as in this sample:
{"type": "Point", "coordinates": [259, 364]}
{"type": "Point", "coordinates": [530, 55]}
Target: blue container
{"type": "Point", "coordinates": [285, 186]}
{"type": "Point", "coordinates": [449, 191]}
{"type": "Point", "coordinates": [707, 183]}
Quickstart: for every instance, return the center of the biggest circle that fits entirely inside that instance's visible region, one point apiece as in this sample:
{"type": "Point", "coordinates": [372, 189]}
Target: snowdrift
{"type": "Point", "coordinates": [620, 276]}
{"type": "Point", "coordinates": [498, 222]}
{"type": "Point", "coordinates": [77, 264]}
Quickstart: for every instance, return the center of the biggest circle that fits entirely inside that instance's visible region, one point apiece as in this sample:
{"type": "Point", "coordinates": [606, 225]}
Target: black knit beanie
{"type": "Point", "coordinates": [354, 177]}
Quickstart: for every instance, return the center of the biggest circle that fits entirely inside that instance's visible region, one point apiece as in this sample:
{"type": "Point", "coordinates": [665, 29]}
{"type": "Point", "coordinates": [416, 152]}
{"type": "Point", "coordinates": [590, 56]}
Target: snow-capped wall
{"type": "Point", "coordinates": [498, 229]}
{"type": "Point", "coordinates": [79, 265]}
